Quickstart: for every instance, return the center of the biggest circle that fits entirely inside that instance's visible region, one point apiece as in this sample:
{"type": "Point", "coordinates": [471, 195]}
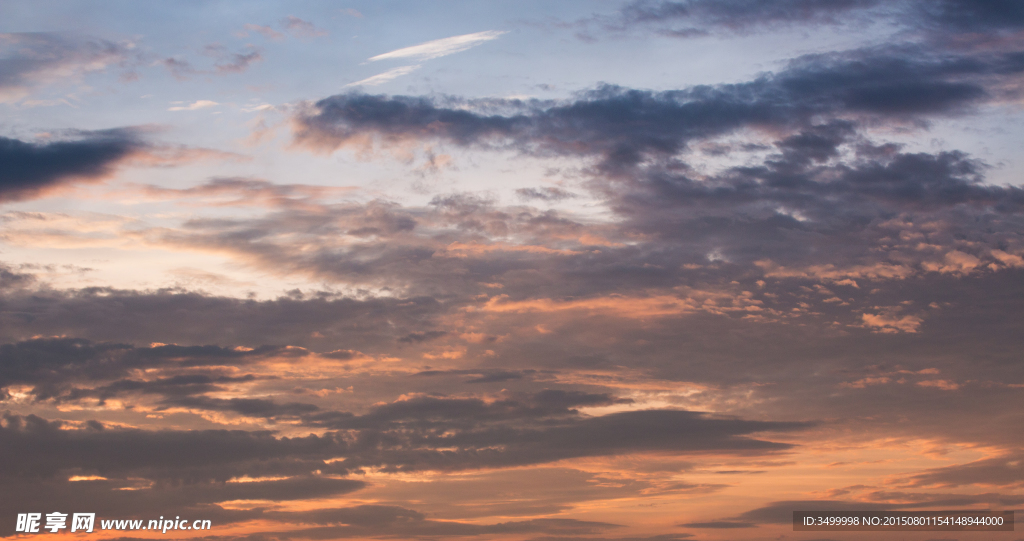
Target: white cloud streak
{"type": "Point", "coordinates": [201, 104]}
{"type": "Point", "coordinates": [441, 47]}
{"type": "Point", "coordinates": [382, 78]}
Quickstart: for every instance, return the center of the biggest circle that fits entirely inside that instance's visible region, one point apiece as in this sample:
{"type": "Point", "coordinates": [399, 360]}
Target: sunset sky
{"type": "Point", "coordinates": [524, 271]}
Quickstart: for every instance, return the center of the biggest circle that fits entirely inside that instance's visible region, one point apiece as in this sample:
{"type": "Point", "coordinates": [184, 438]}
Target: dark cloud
{"type": "Point", "coordinates": [124, 499]}
{"type": "Point", "coordinates": [204, 460]}
{"type": "Point", "coordinates": [249, 407]}
{"type": "Point", "coordinates": [51, 365]}
{"type": "Point", "coordinates": [700, 15]}
{"type": "Point", "coordinates": [417, 337]}
{"type": "Point", "coordinates": [999, 471]}
{"type": "Point", "coordinates": [546, 193]}
{"type": "Point", "coordinates": [175, 386]}
{"type": "Point", "coordinates": [757, 251]}
{"type": "Point", "coordinates": [11, 279]}
{"type": "Point", "coordinates": [782, 512]}
{"type": "Point", "coordinates": [720, 525]}
{"type": "Point", "coordinates": [974, 16]}
{"type": "Point", "coordinates": [496, 376]}
{"type": "Point", "coordinates": [412, 434]}
{"type": "Point", "coordinates": [663, 537]}
{"type": "Point", "coordinates": [401, 523]}
{"type": "Point", "coordinates": [624, 127]}
{"type": "Point", "coordinates": [32, 167]}
{"type": "Point", "coordinates": [538, 428]}
{"type": "Point", "coordinates": [827, 183]}
{"type": "Point", "coordinates": [484, 375]}
{"type": "Point", "coordinates": [693, 18]}
{"type": "Point", "coordinates": [427, 411]}
{"type": "Point", "coordinates": [45, 449]}
{"type": "Point", "coordinates": [947, 500]}
{"type": "Point", "coordinates": [170, 316]}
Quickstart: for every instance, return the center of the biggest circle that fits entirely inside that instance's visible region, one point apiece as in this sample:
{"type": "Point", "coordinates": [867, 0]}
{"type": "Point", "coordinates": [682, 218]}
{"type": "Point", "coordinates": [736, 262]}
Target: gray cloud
{"type": "Point", "coordinates": [32, 167]}
{"type": "Point", "coordinates": [401, 436]}
{"type": "Point", "coordinates": [968, 16]}
{"type": "Point", "coordinates": [718, 525]}
{"type": "Point", "coordinates": [44, 449]}
{"type": "Point", "coordinates": [754, 249]}
{"type": "Point", "coordinates": [399, 522]}
{"type": "Point", "coordinates": [694, 18]}
{"type": "Point", "coordinates": [51, 364]}
{"type": "Point", "coordinates": [624, 126]}
{"type": "Point", "coordinates": [999, 471]}
{"type": "Point", "coordinates": [32, 59]}
{"type": "Point", "coordinates": [546, 193]}
{"type": "Point", "coordinates": [663, 537]}
{"type": "Point", "coordinates": [12, 279]}
{"type": "Point", "coordinates": [146, 317]}
{"type": "Point", "coordinates": [826, 184]}
{"type": "Point", "coordinates": [699, 15]}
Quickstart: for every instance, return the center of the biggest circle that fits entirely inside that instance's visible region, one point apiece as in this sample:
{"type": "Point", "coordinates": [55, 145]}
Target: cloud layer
{"type": "Point", "coordinates": [568, 309]}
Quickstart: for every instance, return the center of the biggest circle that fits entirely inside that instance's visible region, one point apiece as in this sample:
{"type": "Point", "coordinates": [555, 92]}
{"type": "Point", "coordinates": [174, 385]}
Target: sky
{"type": "Point", "coordinates": [530, 271]}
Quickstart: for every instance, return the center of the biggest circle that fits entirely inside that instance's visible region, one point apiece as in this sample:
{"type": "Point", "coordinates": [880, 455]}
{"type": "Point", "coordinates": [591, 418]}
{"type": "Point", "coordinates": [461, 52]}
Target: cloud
{"type": "Point", "coordinates": [625, 125]}
{"type": "Point", "coordinates": [199, 104]}
{"type": "Point", "coordinates": [224, 62]}
{"type": "Point", "coordinates": [30, 168]}
{"type": "Point", "coordinates": [49, 365]}
{"type": "Point", "coordinates": [291, 24]}
{"type": "Point", "coordinates": [1005, 471]}
{"type": "Point", "coordinates": [239, 62]}
{"type": "Point", "coordinates": [367, 521]}
{"type": "Point", "coordinates": [545, 427]}
{"type": "Point", "coordinates": [30, 60]}
{"type": "Point", "coordinates": [944, 22]}
{"type": "Point", "coordinates": [892, 323]}
{"type": "Point", "coordinates": [967, 16]}
{"type": "Point", "coordinates": [425, 432]}
{"type": "Point", "coordinates": [663, 537]}
{"type": "Point", "coordinates": [33, 169]}
{"type": "Point", "coordinates": [699, 15]}
{"type": "Point", "coordinates": [265, 31]}
{"type": "Point", "coordinates": [46, 450]}
{"type": "Point", "coordinates": [825, 176]}
{"type": "Point", "coordinates": [388, 75]}
{"type": "Point", "coordinates": [245, 191]}
{"type": "Point", "coordinates": [421, 336]}
{"type": "Point", "coordinates": [441, 47]}
{"type": "Point", "coordinates": [781, 512]}
{"type": "Point", "coordinates": [129, 472]}
{"type": "Point", "coordinates": [302, 28]}
{"type": "Point", "coordinates": [12, 279]}
{"type": "Point", "coordinates": [713, 279]}
{"type": "Point", "coordinates": [546, 193]}
{"type": "Point", "coordinates": [718, 525]}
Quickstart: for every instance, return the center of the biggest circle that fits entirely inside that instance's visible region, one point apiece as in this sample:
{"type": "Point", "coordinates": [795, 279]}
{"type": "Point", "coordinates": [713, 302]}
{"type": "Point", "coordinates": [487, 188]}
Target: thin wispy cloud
{"type": "Point", "coordinates": [382, 78]}
{"type": "Point", "coordinates": [200, 104]}
{"type": "Point", "coordinates": [441, 47]}
{"type": "Point", "coordinates": [265, 31]}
